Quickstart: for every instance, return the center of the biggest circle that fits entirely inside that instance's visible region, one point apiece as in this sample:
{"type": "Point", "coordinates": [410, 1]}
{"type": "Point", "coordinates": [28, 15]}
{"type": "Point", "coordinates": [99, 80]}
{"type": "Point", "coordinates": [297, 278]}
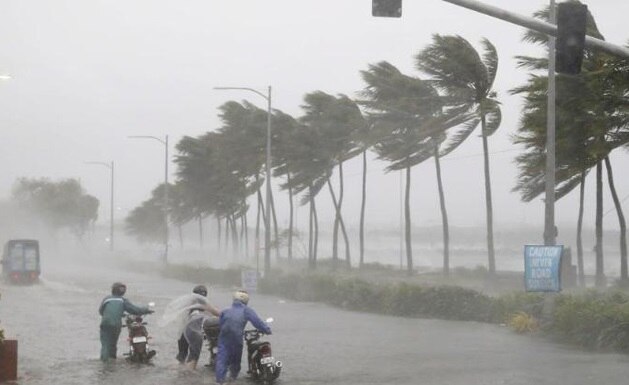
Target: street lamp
{"type": "Point", "coordinates": [267, 219]}
{"type": "Point", "coordinates": [165, 143]}
{"type": "Point", "coordinates": [111, 213]}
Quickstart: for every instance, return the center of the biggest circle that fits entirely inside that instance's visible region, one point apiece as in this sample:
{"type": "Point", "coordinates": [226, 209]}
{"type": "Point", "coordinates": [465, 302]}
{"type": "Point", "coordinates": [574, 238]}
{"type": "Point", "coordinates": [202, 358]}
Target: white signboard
{"type": "Point", "coordinates": [249, 280]}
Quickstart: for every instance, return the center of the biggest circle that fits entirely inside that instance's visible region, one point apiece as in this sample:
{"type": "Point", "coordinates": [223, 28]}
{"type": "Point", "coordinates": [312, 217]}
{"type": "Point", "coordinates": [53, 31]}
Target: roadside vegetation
{"type": "Point", "coordinates": [591, 319]}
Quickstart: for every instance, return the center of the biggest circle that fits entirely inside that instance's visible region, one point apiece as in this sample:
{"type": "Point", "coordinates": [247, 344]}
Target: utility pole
{"type": "Point", "coordinates": [110, 166]}
{"type": "Point", "coordinates": [165, 208]}
{"type": "Point", "coordinates": [550, 234]}
{"type": "Point", "coordinates": [267, 168]}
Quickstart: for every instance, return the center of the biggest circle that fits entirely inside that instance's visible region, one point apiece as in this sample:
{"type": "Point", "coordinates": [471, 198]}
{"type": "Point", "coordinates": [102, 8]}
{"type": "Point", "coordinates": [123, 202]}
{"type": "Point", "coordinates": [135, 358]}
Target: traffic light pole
{"type": "Point", "coordinates": [550, 29]}
{"type": "Point", "coordinates": [550, 234]}
{"type": "Point", "coordinates": [536, 25]}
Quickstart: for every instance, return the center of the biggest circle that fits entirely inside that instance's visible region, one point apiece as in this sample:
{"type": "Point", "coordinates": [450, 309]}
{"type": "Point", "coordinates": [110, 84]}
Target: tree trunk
{"type": "Point", "coordinates": [348, 258]}
{"type": "Point", "coordinates": [600, 272]}
{"type": "Point", "coordinates": [335, 231]}
{"type": "Point", "coordinates": [180, 233]}
{"type": "Point", "coordinates": [200, 219]}
{"type": "Point", "coordinates": [337, 221]}
{"type": "Point", "coordinates": [246, 224]}
{"type": "Point", "coordinates": [444, 216]}
{"type": "Point", "coordinates": [407, 220]}
{"type": "Point", "coordinates": [340, 219]}
{"type": "Point", "coordinates": [227, 235]}
{"type": "Point", "coordinates": [362, 212]}
{"type": "Point", "coordinates": [316, 232]}
{"type": "Point", "coordinates": [218, 238]}
{"type": "Point", "coordinates": [310, 231]}
{"type": "Point", "coordinates": [241, 240]}
{"type": "Point", "coordinates": [290, 219]}
{"type": "Point", "coordinates": [260, 213]}
{"type": "Point", "coordinates": [488, 203]}
{"type": "Point", "coordinates": [276, 233]}
{"type": "Point", "coordinates": [621, 221]}
{"type": "Point", "coordinates": [235, 244]}
{"type": "Point", "coordinates": [580, 231]}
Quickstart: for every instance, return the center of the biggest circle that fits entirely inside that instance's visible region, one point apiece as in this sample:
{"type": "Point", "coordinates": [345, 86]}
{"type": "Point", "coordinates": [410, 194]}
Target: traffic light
{"type": "Point", "coordinates": [571, 23]}
{"type": "Point", "coordinates": [386, 8]}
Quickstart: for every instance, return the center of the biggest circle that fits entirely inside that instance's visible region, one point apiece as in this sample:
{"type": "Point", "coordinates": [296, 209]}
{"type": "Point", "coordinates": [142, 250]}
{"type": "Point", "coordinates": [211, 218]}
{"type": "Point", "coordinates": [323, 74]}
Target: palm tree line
{"type": "Point", "coordinates": [405, 120]}
{"type": "Point", "coordinates": [592, 112]}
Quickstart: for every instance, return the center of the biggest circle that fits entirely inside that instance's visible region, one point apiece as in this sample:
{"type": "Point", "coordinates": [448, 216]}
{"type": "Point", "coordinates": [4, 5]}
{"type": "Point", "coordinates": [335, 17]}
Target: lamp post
{"type": "Point", "coordinates": [165, 143]}
{"type": "Point", "coordinates": [267, 218]}
{"type": "Point", "coordinates": [110, 166]}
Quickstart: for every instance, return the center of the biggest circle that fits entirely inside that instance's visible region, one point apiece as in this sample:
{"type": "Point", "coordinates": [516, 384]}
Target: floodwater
{"type": "Point", "coordinates": [56, 324]}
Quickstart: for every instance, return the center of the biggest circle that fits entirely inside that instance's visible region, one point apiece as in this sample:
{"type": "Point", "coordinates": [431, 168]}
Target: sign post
{"type": "Point", "coordinates": [249, 279]}
{"type": "Point", "coordinates": [542, 268]}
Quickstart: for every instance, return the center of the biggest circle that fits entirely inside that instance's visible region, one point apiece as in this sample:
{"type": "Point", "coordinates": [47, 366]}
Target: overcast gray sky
{"type": "Point", "coordinates": [86, 74]}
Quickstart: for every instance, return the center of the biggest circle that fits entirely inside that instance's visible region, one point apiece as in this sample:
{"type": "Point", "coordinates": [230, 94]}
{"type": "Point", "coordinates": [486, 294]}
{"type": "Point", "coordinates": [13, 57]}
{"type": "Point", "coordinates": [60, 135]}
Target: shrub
{"type": "Point", "coordinates": [507, 305]}
{"type": "Point", "coordinates": [592, 320]}
{"type": "Point", "coordinates": [522, 322]}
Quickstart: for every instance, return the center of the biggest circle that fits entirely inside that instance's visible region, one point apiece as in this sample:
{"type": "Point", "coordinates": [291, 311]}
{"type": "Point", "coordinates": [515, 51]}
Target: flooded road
{"type": "Point", "coordinates": [56, 323]}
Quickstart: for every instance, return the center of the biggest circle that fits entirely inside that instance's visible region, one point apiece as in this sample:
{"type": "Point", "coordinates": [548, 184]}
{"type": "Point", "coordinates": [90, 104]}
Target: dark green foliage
{"type": "Point", "coordinates": [146, 222]}
{"type": "Point", "coordinates": [62, 204]}
{"type": "Point", "coordinates": [593, 320]}
{"type": "Point", "coordinates": [446, 302]}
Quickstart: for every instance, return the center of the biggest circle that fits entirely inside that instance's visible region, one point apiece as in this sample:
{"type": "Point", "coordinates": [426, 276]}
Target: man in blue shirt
{"type": "Point", "coordinates": [232, 322]}
{"type": "Point", "coordinates": [112, 309]}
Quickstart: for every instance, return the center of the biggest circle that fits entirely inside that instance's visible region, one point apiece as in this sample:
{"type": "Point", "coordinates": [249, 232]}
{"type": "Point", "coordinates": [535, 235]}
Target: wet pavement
{"type": "Point", "coordinates": [56, 324]}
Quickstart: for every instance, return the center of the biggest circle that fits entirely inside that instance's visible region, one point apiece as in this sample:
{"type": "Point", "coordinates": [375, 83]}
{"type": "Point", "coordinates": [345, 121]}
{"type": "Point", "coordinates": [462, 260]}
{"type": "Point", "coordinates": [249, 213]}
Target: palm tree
{"type": "Point", "coordinates": [215, 176]}
{"type": "Point", "coordinates": [402, 111]}
{"type": "Point", "coordinates": [336, 118]}
{"type": "Point", "coordinates": [466, 79]}
{"type": "Point", "coordinates": [284, 127]}
{"type": "Point", "coordinates": [146, 222]}
{"type": "Point", "coordinates": [592, 121]}
{"type": "Point", "coordinates": [310, 169]}
{"type": "Point", "coordinates": [363, 138]}
{"type": "Point", "coordinates": [396, 101]}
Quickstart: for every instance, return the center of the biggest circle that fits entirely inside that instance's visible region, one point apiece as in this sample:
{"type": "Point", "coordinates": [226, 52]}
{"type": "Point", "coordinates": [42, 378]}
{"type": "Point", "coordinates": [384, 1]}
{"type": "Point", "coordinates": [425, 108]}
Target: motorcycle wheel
{"type": "Point", "coordinates": [266, 376]}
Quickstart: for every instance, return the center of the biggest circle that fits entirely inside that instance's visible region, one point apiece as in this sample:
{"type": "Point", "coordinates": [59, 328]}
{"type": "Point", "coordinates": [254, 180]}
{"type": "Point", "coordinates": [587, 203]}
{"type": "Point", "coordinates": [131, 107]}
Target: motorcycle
{"type": "Point", "coordinates": [139, 351]}
{"type": "Point", "coordinates": [211, 329]}
{"type": "Point", "coordinates": [263, 367]}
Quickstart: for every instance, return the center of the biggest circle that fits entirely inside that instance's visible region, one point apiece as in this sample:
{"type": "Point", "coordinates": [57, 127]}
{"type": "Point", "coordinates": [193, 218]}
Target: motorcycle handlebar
{"type": "Point", "coordinates": [254, 331]}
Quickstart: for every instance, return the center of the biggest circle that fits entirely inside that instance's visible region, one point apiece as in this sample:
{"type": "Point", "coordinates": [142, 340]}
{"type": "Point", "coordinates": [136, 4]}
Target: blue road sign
{"type": "Point", "coordinates": [542, 268]}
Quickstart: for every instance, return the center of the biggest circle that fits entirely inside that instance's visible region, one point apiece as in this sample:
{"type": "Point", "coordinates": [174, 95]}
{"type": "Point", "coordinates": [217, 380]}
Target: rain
{"type": "Point", "coordinates": [390, 191]}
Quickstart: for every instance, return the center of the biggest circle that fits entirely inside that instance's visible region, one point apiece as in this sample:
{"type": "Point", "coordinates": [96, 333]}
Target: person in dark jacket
{"type": "Point", "coordinates": [232, 322]}
{"type": "Point", "coordinates": [183, 354]}
{"type": "Point", "coordinates": [111, 310]}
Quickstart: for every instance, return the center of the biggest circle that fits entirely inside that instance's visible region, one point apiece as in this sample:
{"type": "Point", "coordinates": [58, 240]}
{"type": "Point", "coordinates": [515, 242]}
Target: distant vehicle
{"type": "Point", "coordinates": [20, 261]}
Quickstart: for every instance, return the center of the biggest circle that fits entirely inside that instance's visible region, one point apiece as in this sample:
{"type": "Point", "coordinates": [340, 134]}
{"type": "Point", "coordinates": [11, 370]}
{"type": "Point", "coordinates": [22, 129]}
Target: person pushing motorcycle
{"type": "Point", "coordinates": [111, 310]}
{"type": "Point", "coordinates": [232, 324]}
{"type": "Point", "coordinates": [190, 342]}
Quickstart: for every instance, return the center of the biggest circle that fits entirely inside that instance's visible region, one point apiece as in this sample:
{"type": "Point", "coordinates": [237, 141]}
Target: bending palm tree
{"type": "Point", "coordinates": [466, 80]}
{"type": "Point", "coordinates": [409, 125]}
